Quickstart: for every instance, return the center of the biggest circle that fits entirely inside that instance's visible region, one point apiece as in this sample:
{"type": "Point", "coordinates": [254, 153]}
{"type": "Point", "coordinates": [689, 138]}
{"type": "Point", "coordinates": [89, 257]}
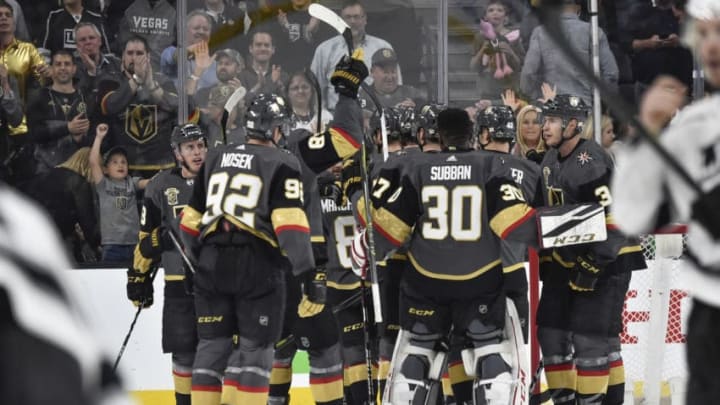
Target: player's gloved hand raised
{"type": "Point", "coordinates": [705, 212]}
{"type": "Point", "coordinates": [349, 74]}
{"type": "Point", "coordinates": [358, 254]}
{"type": "Point", "coordinates": [351, 179]}
{"type": "Point", "coordinates": [140, 288]}
{"type": "Point", "coordinates": [584, 274]}
{"type": "Point", "coordinates": [314, 293]}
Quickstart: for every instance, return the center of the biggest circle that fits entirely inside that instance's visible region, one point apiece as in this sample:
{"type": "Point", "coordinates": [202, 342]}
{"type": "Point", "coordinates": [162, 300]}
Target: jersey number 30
{"type": "Point", "coordinates": [455, 212]}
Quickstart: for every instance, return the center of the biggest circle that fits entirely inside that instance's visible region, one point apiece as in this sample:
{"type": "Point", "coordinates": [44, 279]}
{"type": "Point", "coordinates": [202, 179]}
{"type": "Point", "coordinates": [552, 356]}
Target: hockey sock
{"type": "Point", "coordinates": [462, 384]}
{"type": "Point", "coordinates": [449, 397]}
{"type": "Point", "coordinates": [561, 379]}
{"type": "Point", "coordinates": [616, 381]}
{"type": "Point", "coordinates": [355, 376]}
{"type": "Point", "coordinates": [326, 375]}
{"type": "Point", "coordinates": [280, 380]}
{"type": "Point", "coordinates": [592, 380]}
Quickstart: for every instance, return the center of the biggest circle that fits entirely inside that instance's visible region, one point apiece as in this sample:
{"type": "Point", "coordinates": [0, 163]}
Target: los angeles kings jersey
{"type": "Point", "coordinates": [165, 197]}
{"type": "Point", "coordinates": [453, 207]}
{"type": "Point", "coordinates": [255, 189]}
{"type": "Point", "coordinates": [580, 177]}
{"type": "Point", "coordinates": [649, 193]}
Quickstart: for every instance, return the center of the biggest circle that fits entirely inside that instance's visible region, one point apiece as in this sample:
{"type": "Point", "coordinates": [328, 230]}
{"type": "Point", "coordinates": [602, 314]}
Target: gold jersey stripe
{"type": "Point", "coordinates": [507, 219]}
{"type": "Point", "coordinates": [317, 239]}
{"type": "Point", "coordinates": [452, 277]}
{"type": "Point", "coordinates": [345, 145]}
{"type": "Point", "coordinates": [390, 226]}
{"type": "Point", "coordinates": [284, 219]}
{"type": "Point", "coordinates": [174, 277]}
{"type": "Point", "coordinates": [514, 267]}
{"type": "Point", "coordinates": [190, 220]}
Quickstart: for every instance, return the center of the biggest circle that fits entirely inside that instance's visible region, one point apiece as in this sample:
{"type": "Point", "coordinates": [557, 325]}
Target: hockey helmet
{"type": "Point", "coordinates": [392, 123]}
{"type": "Point", "coordinates": [408, 123]}
{"type": "Point", "coordinates": [427, 120]}
{"type": "Point", "coordinates": [566, 107]}
{"type": "Point", "coordinates": [186, 133]}
{"type": "Point", "coordinates": [266, 112]}
{"type": "Point", "coordinates": [499, 121]}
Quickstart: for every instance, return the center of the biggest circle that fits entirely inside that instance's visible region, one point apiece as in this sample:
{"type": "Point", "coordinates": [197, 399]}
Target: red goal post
{"type": "Point", "coordinates": [654, 319]}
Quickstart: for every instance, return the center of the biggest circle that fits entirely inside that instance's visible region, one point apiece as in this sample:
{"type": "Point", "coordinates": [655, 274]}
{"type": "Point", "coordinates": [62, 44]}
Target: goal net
{"type": "Point", "coordinates": [654, 320]}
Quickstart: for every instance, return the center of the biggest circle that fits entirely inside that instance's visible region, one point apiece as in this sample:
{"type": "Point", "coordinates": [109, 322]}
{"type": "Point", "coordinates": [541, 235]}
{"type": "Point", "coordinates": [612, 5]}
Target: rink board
{"type": "Point", "coordinates": [144, 369]}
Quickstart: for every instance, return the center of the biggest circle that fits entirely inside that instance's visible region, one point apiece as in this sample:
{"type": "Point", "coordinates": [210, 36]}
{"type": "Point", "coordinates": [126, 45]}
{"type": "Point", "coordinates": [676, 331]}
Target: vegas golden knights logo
{"type": "Point", "coordinates": [141, 122]}
{"type": "Point", "coordinates": [172, 195]}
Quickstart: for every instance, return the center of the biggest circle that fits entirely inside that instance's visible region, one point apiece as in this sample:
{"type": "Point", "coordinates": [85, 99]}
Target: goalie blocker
{"type": "Point", "coordinates": [571, 224]}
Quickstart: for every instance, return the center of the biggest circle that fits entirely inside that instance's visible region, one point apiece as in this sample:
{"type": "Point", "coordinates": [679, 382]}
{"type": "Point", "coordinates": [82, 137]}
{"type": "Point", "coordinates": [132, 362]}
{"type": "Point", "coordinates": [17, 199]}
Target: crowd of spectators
{"type": "Point", "coordinates": [69, 66]}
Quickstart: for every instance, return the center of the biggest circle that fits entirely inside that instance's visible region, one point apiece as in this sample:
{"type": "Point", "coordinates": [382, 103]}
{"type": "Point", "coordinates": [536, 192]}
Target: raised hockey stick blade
{"type": "Point", "coordinates": [230, 105]}
{"type": "Point", "coordinates": [331, 18]}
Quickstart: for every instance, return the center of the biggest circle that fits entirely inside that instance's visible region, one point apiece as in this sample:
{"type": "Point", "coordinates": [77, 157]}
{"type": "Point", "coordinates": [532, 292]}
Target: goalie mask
{"type": "Point", "coordinates": [186, 133]}
{"type": "Point", "coordinates": [500, 123]}
{"type": "Point", "coordinates": [427, 120]}
{"type": "Point", "coordinates": [265, 113]}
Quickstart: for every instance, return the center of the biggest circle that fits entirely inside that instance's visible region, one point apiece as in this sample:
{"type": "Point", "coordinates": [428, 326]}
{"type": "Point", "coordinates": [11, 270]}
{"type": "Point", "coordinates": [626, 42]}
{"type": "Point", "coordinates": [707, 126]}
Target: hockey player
{"type": "Point", "coordinates": [343, 284]}
{"type": "Point", "coordinates": [245, 211]}
{"type": "Point", "coordinates": [427, 131]}
{"type": "Point", "coordinates": [447, 206]}
{"type": "Point", "coordinates": [586, 281]}
{"type": "Point", "coordinates": [49, 353]}
{"type": "Point", "coordinates": [165, 196]}
{"type": "Point", "coordinates": [649, 194]}
{"type": "Point", "coordinates": [495, 132]}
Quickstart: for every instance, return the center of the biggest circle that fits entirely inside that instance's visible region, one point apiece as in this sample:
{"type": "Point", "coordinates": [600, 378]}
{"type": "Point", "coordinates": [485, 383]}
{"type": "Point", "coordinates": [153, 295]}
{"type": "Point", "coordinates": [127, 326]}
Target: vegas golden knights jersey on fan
{"type": "Point", "coordinates": [254, 189]}
{"type": "Point", "coordinates": [165, 197]}
{"type": "Point", "coordinates": [584, 176]}
{"type": "Point", "coordinates": [452, 206]}
{"type": "Point", "coordinates": [339, 225]}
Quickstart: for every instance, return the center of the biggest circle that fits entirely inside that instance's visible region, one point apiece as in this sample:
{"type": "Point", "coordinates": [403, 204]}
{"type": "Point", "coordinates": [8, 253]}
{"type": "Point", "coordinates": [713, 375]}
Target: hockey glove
{"type": "Point", "coordinates": [535, 156]}
{"type": "Point", "coordinates": [358, 254]}
{"type": "Point", "coordinates": [139, 287]}
{"type": "Point", "coordinates": [349, 73]}
{"type": "Point", "coordinates": [584, 274]}
{"type": "Point", "coordinates": [705, 212]}
{"type": "Point", "coordinates": [351, 179]}
{"type": "Point", "coordinates": [331, 190]}
{"type": "Point", "coordinates": [314, 293]}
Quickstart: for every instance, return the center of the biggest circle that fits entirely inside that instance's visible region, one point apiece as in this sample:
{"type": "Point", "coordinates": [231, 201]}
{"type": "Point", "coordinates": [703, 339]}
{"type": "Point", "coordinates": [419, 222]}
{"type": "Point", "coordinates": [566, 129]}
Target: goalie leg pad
{"type": "Point", "coordinates": [417, 379]}
{"type": "Point", "coordinates": [489, 362]}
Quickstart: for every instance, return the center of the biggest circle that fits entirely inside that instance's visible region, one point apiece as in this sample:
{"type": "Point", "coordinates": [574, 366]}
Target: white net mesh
{"type": "Point", "coordinates": [655, 314]}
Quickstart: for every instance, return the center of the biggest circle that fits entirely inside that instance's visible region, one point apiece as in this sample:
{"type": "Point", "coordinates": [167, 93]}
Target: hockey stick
{"type": "Point", "coordinates": [329, 17]}
{"type": "Point", "coordinates": [132, 325]}
{"type": "Point", "coordinates": [549, 18]}
{"type": "Point", "coordinates": [230, 105]}
{"type": "Point", "coordinates": [180, 250]}
{"type": "Point", "coordinates": [347, 303]}
{"type": "Point", "coordinates": [316, 85]}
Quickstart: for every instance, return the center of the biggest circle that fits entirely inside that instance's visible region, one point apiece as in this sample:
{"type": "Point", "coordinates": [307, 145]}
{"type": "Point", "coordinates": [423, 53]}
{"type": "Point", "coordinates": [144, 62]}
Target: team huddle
{"type": "Point", "coordinates": [269, 247]}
